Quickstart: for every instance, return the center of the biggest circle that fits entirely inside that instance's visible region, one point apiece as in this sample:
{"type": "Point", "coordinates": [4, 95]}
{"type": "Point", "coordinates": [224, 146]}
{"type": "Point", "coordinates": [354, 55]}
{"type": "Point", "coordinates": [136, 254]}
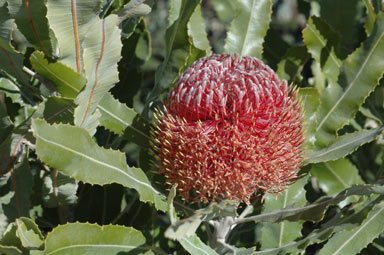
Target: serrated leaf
{"type": "Point", "coordinates": [224, 9]}
{"type": "Point", "coordinates": [138, 132]}
{"type": "Point", "coordinates": [115, 116]}
{"type": "Point", "coordinates": [11, 61]}
{"type": "Point", "coordinates": [187, 227]}
{"type": "Point", "coordinates": [66, 81]}
{"type": "Point", "coordinates": [6, 126]}
{"type": "Point", "coordinates": [136, 51]}
{"type": "Point", "coordinates": [335, 176]}
{"type": "Point", "coordinates": [59, 110]}
{"type": "Point", "coordinates": [370, 18]}
{"type": "Point", "coordinates": [71, 26]}
{"type": "Point", "coordinates": [315, 211]}
{"type": "Point", "coordinates": [334, 225]}
{"type": "Point", "coordinates": [11, 90]}
{"type": "Point", "coordinates": [323, 42]}
{"type": "Point", "coordinates": [77, 155]}
{"type": "Point", "coordinates": [192, 244]}
{"type": "Point", "coordinates": [102, 48]}
{"type": "Point", "coordinates": [310, 98]}
{"type": "Point", "coordinates": [84, 238]}
{"type": "Point", "coordinates": [197, 31]}
{"type": "Point", "coordinates": [22, 182]}
{"type": "Point", "coordinates": [171, 209]}
{"type": "Point", "coordinates": [195, 246]}
{"type": "Point", "coordinates": [59, 190]}
{"type": "Point", "coordinates": [298, 246]}
{"type": "Point", "coordinates": [10, 250]}
{"type": "Point", "coordinates": [249, 27]}
{"type": "Point", "coordinates": [292, 64]}
{"type": "Point", "coordinates": [29, 233]}
{"type": "Point", "coordinates": [341, 15]}
{"type": "Point", "coordinates": [10, 151]}
{"type": "Point", "coordinates": [133, 9]}
{"type": "Point", "coordinates": [274, 48]}
{"type": "Point", "coordinates": [279, 234]}
{"type": "Point", "coordinates": [361, 73]}
{"type": "Point", "coordinates": [10, 237]}
{"type": "Point", "coordinates": [352, 241]}
{"type": "Point", "coordinates": [343, 145]}
{"type": "Point", "coordinates": [30, 18]}
{"type": "Point", "coordinates": [179, 48]}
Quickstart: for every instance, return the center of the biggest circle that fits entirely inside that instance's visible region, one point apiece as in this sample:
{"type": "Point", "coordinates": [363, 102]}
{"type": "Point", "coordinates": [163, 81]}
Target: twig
{"type": "Point", "coordinates": [40, 79]}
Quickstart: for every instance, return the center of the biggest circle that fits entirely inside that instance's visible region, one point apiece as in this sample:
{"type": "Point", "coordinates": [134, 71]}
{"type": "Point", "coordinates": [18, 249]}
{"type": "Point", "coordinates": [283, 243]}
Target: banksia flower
{"type": "Point", "coordinates": [229, 128]}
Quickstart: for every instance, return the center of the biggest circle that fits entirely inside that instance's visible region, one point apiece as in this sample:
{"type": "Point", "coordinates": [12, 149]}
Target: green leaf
{"type": "Point", "coordinates": [323, 42]}
{"type": "Point", "coordinates": [136, 51]}
{"type": "Point", "coordinates": [334, 225]}
{"type": "Point", "coordinates": [132, 9]}
{"type": "Point", "coordinates": [292, 64]}
{"type": "Point", "coordinates": [179, 48]}
{"type": "Point", "coordinates": [335, 176]}
{"type": "Point", "coordinates": [85, 238]}
{"type": "Point", "coordinates": [361, 73]}
{"type": "Point", "coordinates": [224, 9]}
{"type": "Point", "coordinates": [29, 233]}
{"type": "Point", "coordinates": [71, 26]}
{"type": "Point", "coordinates": [197, 31]}
{"type": "Point", "coordinates": [10, 250]}
{"type": "Point", "coordinates": [187, 227]}
{"type": "Point", "coordinates": [171, 209]}
{"type": "Point", "coordinates": [192, 244]}
{"type": "Point", "coordinates": [59, 190]}
{"type": "Point", "coordinates": [297, 246]}
{"type": "Point", "coordinates": [11, 61]}
{"type": "Point", "coordinates": [352, 241]}
{"type": "Point", "coordinates": [274, 48]}
{"type": "Point", "coordinates": [59, 110]}
{"type": "Point", "coordinates": [115, 116]}
{"type": "Point", "coordinates": [343, 145]}
{"type": "Point", "coordinates": [10, 236]}
{"type": "Point", "coordinates": [11, 90]}
{"type": "Point", "coordinates": [371, 17]}
{"type": "Point", "coordinates": [249, 27]}
{"type": "Point", "coordinates": [30, 18]}
{"type": "Point", "coordinates": [77, 155]}
{"type": "Point", "coordinates": [21, 188]}
{"type": "Point", "coordinates": [10, 152]}
{"type": "Point", "coordinates": [138, 132]}
{"type": "Point", "coordinates": [6, 126]}
{"type": "Point", "coordinates": [66, 81]}
{"type": "Point", "coordinates": [341, 15]}
{"type": "Point", "coordinates": [279, 234]}
{"type": "Point", "coordinates": [315, 211]}
{"type": "Point", "coordinates": [310, 99]}
{"type": "Point", "coordinates": [195, 246]}
{"type": "Point", "coordinates": [102, 52]}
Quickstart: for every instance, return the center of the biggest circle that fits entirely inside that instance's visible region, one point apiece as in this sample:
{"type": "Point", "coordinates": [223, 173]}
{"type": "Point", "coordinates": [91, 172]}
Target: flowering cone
{"type": "Point", "coordinates": [229, 128]}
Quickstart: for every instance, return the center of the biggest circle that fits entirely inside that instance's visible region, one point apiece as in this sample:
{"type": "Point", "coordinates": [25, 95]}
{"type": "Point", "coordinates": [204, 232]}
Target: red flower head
{"type": "Point", "coordinates": [230, 128]}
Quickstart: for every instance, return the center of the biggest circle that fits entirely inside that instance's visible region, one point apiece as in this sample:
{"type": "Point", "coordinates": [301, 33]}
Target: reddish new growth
{"type": "Point", "coordinates": [230, 128]}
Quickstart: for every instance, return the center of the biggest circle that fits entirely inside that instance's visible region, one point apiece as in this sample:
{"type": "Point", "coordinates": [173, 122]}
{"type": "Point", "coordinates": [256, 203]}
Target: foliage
{"type": "Point", "coordinates": [79, 81]}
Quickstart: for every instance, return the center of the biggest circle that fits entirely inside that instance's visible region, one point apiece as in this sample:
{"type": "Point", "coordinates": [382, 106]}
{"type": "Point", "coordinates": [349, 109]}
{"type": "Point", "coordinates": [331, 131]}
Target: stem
{"type": "Point", "coordinates": [246, 211]}
{"type": "Point", "coordinates": [40, 79]}
{"type": "Point", "coordinates": [223, 227]}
